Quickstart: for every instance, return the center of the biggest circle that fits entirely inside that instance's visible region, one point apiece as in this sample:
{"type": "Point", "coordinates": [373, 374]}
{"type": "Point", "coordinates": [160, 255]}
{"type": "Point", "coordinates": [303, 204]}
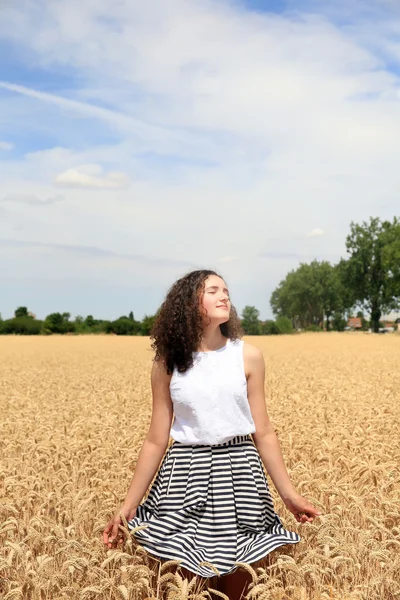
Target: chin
{"type": "Point", "coordinates": [222, 319]}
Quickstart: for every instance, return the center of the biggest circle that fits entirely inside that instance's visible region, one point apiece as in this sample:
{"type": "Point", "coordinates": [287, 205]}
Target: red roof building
{"type": "Point", "coordinates": [354, 323]}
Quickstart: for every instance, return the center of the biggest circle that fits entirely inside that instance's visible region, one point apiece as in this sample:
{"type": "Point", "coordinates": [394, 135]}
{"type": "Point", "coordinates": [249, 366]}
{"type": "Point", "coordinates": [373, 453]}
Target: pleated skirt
{"type": "Point", "coordinates": [213, 504]}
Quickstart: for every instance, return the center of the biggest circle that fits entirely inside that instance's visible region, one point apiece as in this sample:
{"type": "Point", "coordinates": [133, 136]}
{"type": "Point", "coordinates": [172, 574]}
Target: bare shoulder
{"type": "Point", "coordinates": [252, 352]}
{"type": "Point", "coordinates": [253, 359]}
{"type": "Point", "coordinates": [159, 371]}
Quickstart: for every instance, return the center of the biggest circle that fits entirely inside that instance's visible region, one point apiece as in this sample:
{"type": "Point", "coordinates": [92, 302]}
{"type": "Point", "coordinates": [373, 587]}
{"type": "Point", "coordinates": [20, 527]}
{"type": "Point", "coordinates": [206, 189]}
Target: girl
{"type": "Point", "coordinates": [210, 500]}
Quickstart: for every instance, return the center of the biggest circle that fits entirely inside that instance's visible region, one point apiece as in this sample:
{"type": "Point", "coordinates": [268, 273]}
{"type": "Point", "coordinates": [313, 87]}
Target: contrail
{"type": "Point", "coordinates": [122, 121]}
{"type": "Point", "coordinates": [167, 139]}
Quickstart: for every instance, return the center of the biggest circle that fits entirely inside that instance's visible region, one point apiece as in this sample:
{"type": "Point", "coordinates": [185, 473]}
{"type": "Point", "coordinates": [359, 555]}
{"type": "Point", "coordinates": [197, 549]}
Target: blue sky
{"type": "Point", "coordinates": [141, 140]}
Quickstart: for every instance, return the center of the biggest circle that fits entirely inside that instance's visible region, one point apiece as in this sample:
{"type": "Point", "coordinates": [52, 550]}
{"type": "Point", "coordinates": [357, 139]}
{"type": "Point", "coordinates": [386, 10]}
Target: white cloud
{"type": "Point", "coordinates": [31, 199]}
{"type": "Point", "coordinates": [6, 146]}
{"type": "Point", "coordinates": [88, 176]}
{"type": "Point", "coordinates": [316, 233]}
{"type": "Point", "coordinates": [227, 259]}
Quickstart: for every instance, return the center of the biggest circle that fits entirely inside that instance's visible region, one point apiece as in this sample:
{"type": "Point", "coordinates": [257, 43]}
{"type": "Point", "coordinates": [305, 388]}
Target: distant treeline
{"type": "Point", "coordinates": [313, 297]}
{"type": "Point", "coordinates": [25, 323]}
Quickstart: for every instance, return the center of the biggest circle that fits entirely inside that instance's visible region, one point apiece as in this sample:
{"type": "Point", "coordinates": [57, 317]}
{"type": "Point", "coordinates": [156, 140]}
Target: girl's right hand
{"type": "Point", "coordinates": [111, 534]}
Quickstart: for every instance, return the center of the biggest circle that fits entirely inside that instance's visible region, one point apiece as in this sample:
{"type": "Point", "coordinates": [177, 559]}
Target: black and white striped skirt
{"type": "Point", "coordinates": [211, 503]}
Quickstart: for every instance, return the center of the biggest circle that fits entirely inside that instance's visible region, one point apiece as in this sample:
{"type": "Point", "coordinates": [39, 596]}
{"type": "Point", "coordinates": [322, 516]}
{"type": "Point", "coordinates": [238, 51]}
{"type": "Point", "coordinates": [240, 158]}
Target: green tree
{"type": "Point", "coordinates": [364, 322]}
{"type": "Point", "coordinates": [90, 322]}
{"type": "Point", "coordinates": [372, 270]}
{"type": "Point", "coordinates": [309, 295]}
{"type": "Point", "coordinates": [21, 311]}
{"type": "Point", "coordinates": [123, 326]}
{"type": "Point", "coordinates": [131, 317]}
{"type": "Point", "coordinates": [147, 324]}
{"type": "Point", "coordinates": [58, 323]}
{"type": "Point", "coordinates": [284, 325]}
{"type": "Point", "coordinates": [269, 328]}
{"type": "Point", "coordinates": [338, 321]}
{"type": "Point", "coordinates": [250, 320]}
{"type": "Point", "coordinates": [346, 298]}
{"type": "Point", "coordinates": [21, 326]}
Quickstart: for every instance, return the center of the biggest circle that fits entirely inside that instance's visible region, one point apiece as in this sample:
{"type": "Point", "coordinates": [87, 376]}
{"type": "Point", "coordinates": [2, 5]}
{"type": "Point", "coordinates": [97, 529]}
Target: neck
{"type": "Point", "coordinates": [212, 338]}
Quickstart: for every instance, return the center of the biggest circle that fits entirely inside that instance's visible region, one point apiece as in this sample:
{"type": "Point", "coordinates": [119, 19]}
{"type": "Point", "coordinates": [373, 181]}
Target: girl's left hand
{"type": "Point", "coordinates": [302, 509]}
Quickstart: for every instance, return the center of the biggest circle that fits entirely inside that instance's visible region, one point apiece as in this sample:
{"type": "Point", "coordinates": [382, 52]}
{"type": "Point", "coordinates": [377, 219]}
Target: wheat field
{"type": "Point", "coordinates": [75, 410]}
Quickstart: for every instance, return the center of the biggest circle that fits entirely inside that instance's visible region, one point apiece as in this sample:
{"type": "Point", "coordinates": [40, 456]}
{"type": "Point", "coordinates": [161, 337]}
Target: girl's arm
{"type": "Point", "coordinates": [266, 440]}
{"type": "Point", "coordinates": [156, 440]}
{"type": "Point", "coordinates": [150, 454]}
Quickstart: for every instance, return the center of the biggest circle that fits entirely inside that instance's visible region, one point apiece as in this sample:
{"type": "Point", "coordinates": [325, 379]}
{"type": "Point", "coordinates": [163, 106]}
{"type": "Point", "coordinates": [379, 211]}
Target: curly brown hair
{"type": "Point", "coordinates": [178, 326]}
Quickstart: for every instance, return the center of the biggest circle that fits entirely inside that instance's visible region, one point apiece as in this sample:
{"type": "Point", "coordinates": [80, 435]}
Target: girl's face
{"type": "Point", "coordinates": [215, 299]}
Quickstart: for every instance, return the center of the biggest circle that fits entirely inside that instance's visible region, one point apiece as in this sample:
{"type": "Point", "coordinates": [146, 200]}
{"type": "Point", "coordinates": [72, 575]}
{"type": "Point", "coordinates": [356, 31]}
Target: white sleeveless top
{"type": "Point", "coordinates": [210, 400]}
